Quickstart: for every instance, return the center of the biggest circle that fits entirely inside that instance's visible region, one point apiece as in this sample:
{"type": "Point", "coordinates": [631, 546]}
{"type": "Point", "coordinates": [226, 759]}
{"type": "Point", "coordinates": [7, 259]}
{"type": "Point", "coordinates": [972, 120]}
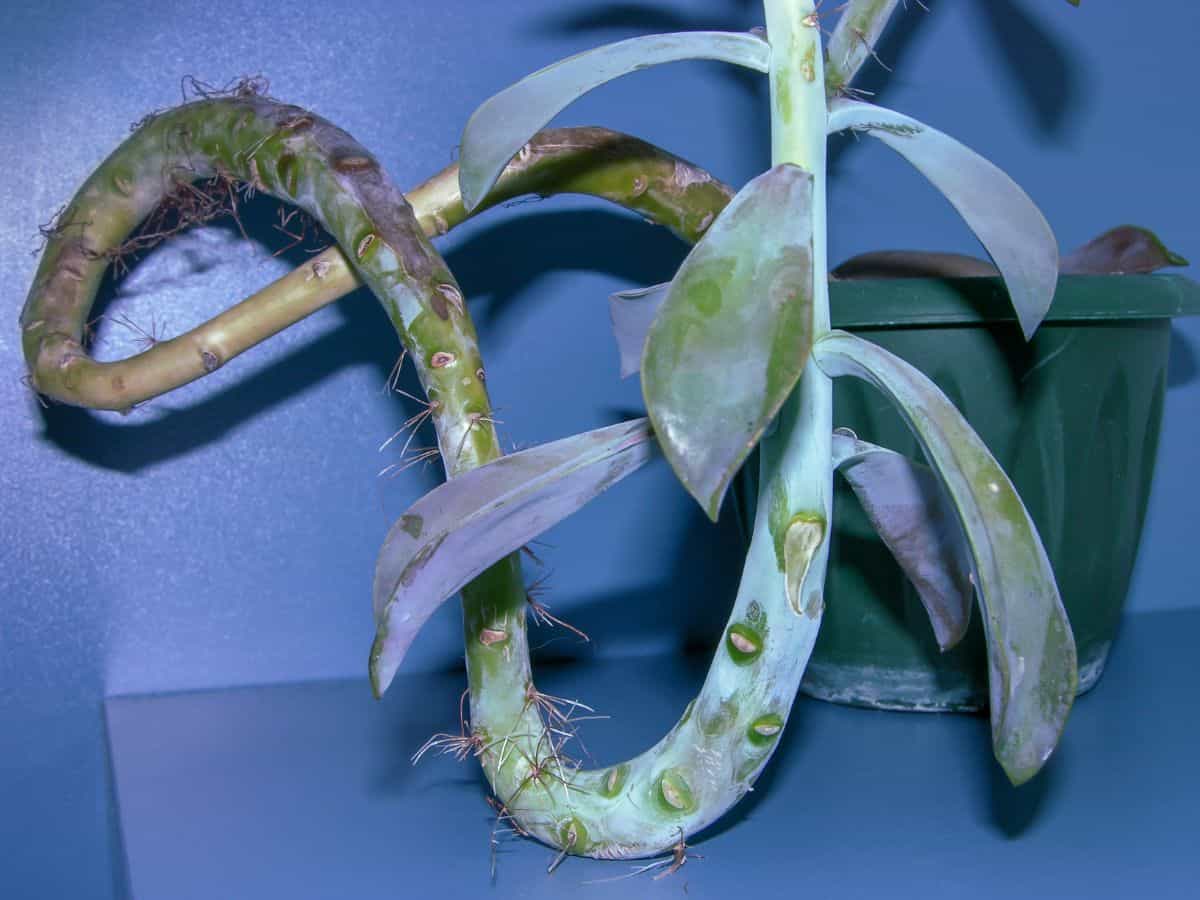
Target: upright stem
{"type": "Point", "coordinates": [796, 478]}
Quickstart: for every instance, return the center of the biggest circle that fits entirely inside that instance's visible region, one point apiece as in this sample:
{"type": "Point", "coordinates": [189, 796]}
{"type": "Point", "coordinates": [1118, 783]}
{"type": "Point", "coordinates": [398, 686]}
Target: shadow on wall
{"type": "Point", "coordinates": [1181, 365]}
{"type": "Point", "coordinates": [503, 259]}
{"type": "Point", "coordinates": [132, 446]}
{"type": "Point", "coordinates": [1044, 72]}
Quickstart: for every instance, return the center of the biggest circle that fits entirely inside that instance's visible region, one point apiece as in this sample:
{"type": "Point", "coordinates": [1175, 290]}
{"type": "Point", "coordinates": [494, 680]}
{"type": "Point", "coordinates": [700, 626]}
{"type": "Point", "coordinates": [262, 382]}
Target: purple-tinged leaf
{"type": "Point", "coordinates": [502, 125]}
{"type": "Point", "coordinates": [462, 527]}
{"type": "Point", "coordinates": [910, 512]}
{"type": "Point", "coordinates": [1010, 227]}
{"type": "Point", "coordinates": [1032, 666]}
{"type": "Point", "coordinates": [913, 264]}
{"type": "Point", "coordinates": [733, 333]}
{"type": "Point", "coordinates": [632, 313]}
{"type": "Point", "coordinates": [1125, 250]}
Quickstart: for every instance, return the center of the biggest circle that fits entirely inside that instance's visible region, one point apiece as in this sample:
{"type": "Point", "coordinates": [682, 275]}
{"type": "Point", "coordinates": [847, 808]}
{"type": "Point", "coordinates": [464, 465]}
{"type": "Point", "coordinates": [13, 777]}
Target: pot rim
{"type": "Point", "coordinates": [907, 302]}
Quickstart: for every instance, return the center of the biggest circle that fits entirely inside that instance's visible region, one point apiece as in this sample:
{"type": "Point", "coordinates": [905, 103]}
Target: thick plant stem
{"type": "Point", "coordinates": [854, 40]}
{"type": "Point", "coordinates": [796, 475]}
{"type": "Point", "coordinates": [665, 189]}
{"type": "Point", "coordinates": [714, 753]}
{"type": "Point", "coordinates": [708, 760]}
{"type": "Point", "coordinates": [306, 161]}
{"type": "Point", "coordinates": [717, 749]}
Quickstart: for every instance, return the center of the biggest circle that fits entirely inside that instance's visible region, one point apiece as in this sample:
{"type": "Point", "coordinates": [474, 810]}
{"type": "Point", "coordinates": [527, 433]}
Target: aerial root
{"type": "Point", "coordinates": [540, 611]}
{"type": "Point", "coordinates": [192, 88]}
{"type": "Point", "coordinates": [473, 421]}
{"type": "Point", "coordinates": [417, 456]}
{"type": "Point", "coordinates": [505, 823]}
{"type": "Point", "coordinates": [304, 229]}
{"type": "Point", "coordinates": [144, 338]}
{"type": "Point", "coordinates": [185, 205]}
{"type": "Point", "coordinates": [56, 227]}
{"type": "Point", "coordinates": [673, 863]}
{"type": "Point", "coordinates": [549, 763]}
{"type": "Point", "coordinates": [393, 381]}
{"type": "Point", "coordinates": [460, 746]}
{"type": "Point", "coordinates": [561, 715]}
{"type": "Point", "coordinates": [27, 380]}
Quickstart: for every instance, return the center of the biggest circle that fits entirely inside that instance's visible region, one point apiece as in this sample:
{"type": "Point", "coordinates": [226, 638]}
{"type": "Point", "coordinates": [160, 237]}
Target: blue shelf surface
{"type": "Point", "coordinates": [305, 790]}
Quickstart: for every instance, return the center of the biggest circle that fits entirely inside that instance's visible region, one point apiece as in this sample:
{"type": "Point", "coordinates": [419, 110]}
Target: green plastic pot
{"type": "Point", "coordinates": [1074, 419]}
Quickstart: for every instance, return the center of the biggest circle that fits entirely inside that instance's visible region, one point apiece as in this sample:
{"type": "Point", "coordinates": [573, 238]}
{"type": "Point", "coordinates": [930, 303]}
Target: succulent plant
{"type": "Point", "coordinates": [735, 353]}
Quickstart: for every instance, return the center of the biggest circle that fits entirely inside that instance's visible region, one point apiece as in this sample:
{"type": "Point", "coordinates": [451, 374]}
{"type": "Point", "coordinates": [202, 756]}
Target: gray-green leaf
{"type": "Point", "coordinates": [462, 527]}
{"type": "Point", "coordinates": [1031, 651]}
{"type": "Point", "coordinates": [911, 514]}
{"type": "Point", "coordinates": [1007, 223]}
{"type": "Point", "coordinates": [632, 313]}
{"type": "Point", "coordinates": [502, 125]}
{"type": "Point", "coordinates": [733, 333]}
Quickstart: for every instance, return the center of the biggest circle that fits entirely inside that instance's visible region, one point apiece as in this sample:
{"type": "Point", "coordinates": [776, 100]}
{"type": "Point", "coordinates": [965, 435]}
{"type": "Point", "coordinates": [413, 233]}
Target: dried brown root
{"type": "Point", "coordinates": [541, 612]}
{"type": "Point", "coordinates": [669, 864]}
{"type": "Point", "coordinates": [506, 823]}
{"type": "Point", "coordinates": [561, 715]}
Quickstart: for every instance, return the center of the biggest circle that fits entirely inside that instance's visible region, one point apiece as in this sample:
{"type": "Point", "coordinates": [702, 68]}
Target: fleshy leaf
{"type": "Point", "coordinates": [913, 264]}
{"type": "Point", "coordinates": [632, 313]}
{"type": "Point", "coordinates": [734, 332]}
{"type": "Point", "coordinates": [462, 527]}
{"type": "Point", "coordinates": [502, 125]}
{"type": "Point", "coordinates": [1011, 229]}
{"type": "Point", "coordinates": [1032, 664]}
{"type": "Point", "coordinates": [908, 509]}
{"type": "Point", "coordinates": [1126, 249]}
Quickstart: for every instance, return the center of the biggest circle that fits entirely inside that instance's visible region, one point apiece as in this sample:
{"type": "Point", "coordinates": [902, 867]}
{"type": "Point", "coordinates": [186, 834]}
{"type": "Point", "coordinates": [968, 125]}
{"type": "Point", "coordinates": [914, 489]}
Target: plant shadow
{"type": "Point", "coordinates": [502, 260]}
{"type": "Point", "coordinates": [1042, 70]}
{"type": "Point", "coordinates": [133, 445]}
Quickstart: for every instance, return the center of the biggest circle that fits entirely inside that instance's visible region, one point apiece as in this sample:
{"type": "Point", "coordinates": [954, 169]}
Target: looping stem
{"type": "Point", "coordinates": [301, 159]}
{"type": "Point", "coordinates": [629, 172]}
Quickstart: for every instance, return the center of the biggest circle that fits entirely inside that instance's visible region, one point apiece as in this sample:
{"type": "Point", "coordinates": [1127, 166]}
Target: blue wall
{"type": "Point", "coordinates": [226, 534]}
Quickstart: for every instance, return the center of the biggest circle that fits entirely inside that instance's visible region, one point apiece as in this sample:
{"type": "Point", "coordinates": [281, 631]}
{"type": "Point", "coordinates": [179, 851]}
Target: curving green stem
{"type": "Point", "coordinates": [724, 738]}
{"type": "Point", "coordinates": [714, 753]}
{"type": "Point", "coordinates": [663, 188]}
{"type": "Point", "coordinates": [306, 161]}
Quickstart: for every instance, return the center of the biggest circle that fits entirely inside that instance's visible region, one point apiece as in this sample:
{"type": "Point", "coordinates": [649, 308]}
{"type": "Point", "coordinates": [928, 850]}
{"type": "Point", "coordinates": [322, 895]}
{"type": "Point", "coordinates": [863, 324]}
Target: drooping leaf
{"type": "Point", "coordinates": [1032, 672]}
{"type": "Point", "coordinates": [1127, 250]}
{"type": "Point", "coordinates": [733, 333]}
{"type": "Point", "coordinates": [1010, 227]}
{"type": "Point", "coordinates": [632, 313]}
{"type": "Point", "coordinates": [908, 509]}
{"type": "Point", "coordinates": [502, 125]}
{"type": "Point", "coordinates": [462, 527]}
